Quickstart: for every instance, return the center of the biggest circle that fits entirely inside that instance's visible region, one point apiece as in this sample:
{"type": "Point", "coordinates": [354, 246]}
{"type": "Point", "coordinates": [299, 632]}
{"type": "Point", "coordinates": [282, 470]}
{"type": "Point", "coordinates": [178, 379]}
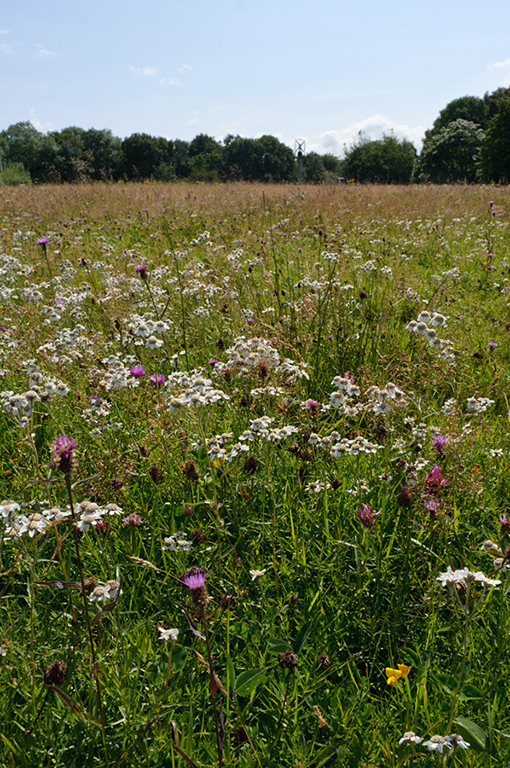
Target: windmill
{"type": "Point", "coordinates": [299, 151]}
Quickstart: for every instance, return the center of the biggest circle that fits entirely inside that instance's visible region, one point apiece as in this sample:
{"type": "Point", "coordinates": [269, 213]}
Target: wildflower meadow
{"type": "Point", "coordinates": [254, 476]}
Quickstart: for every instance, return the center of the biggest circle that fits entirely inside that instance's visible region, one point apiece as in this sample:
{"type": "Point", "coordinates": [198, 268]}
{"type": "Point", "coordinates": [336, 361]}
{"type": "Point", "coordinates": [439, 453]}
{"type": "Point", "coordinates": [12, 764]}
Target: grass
{"type": "Point", "coordinates": [292, 447]}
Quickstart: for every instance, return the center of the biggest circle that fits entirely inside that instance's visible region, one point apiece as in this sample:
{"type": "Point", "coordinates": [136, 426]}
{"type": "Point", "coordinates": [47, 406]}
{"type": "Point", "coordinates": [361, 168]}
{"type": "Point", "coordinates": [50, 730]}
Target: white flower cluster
{"type": "Point", "coordinates": [106, 592]}
{"type": "Point", "coordinates": [246, 353]}
{"type": "Point", "coordinates": [426, 325]}
{"type": "Point", "coordinates": [260, 428]}
{"type": "Point", "coordinates": [177, 542]}
{"type": "Point", "coordinates": [199, 392]}
{"type": "Point", "coordinates": [353, 447]}
{"type": "Point", "coordinates": [145, 331]}
{"type": "Point", "coordinates": [28, 522]}
{"type": "Point", "coordinates": [478, 404]}
{"type": "Point", "coordinates": [88, 514]}
{"type": "Point", "coordinates": [385, 400]}
{"type": "Point", "coordinates": [316, 486]}
{"type": "Point", "coordinates": [436, 743]}
{"type": "Point", "coordinates": [342, 398]}
{"type": "Point", "coordinates": [463, 575]}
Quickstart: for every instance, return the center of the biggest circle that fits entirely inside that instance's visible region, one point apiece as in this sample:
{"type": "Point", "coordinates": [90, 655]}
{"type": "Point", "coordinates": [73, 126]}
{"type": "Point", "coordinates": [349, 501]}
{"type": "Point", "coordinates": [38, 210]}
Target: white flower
{"type": "Point", "coordinates": [436, 743]}
{"type": "Point", "coordinates": [257, 574]}
{"type": "Point", "coordinates": [454, 740]}
{"type": "Point", "coordinates": [411, 738]}
{"type": "Point", "coordinates": [168, 634]}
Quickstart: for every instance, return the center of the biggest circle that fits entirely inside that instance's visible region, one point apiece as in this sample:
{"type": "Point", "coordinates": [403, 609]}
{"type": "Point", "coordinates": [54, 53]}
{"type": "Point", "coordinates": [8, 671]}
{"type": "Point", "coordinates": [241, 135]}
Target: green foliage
{"type": "Point", "coordinates": [469, 108]}
{"type": "Point", "coordinates": [13, 174]}
{"type": "Point", "coordinates": [495, 152]}
{"type": "Point", "coordinates": [388, 160]}
{"type": "Point", "coordinates": [451, 153]}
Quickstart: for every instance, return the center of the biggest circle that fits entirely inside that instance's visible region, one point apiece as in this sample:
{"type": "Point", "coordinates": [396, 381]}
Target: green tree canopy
{"type": "Point", "coordinates": [470, 108]}
{"type": "Point", "coordinates": [388, 160]}
{"type": "Point", "coordinates": [452, 153]}
{"type": "Point", "coordinates": [495, 151]}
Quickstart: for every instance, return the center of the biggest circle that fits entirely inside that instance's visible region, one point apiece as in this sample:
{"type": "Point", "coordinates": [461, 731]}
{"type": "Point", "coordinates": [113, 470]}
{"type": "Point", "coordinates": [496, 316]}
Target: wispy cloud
{"type": "Point", "coordinates": [505, 64]}
{"type": "Point", "coordinates": [40, 126]}
{"type": "Point", "coordinates": [144, 71]}
{"type": "Point", "coordinates": [185, 68]}
{"type": "Point", "coordinates": [169, 81]}
{"type": "Point", "coordinates": [44, 53]}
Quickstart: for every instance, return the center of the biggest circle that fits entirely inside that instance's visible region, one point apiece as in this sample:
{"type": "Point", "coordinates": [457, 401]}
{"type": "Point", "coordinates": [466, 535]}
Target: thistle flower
{"type": "Point", "coordinates": [194, 579]}
{"type": "Point", "coordinates": [141, 270]}
{"type": "Point", "coordinates": [62, 454]}
{"type": "Point", "coordinates": [43, 242]}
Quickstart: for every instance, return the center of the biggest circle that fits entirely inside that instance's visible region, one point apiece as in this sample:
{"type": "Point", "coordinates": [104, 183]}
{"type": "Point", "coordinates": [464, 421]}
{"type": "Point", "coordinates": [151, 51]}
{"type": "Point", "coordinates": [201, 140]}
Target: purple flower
{"type": "Point", "coordinates": [249, 320]}
{"type": "Point", "coordinates": [312, 405]}
{"type": "Point", "coordinates": [63, 445]}
{"type": "Point", "coordinates": [194, 578]}
{"type": "Point", "coordinates": [157, 378]}
{"type": "Point", "coordinates": [491, 202]}
{"type": "Point", "coordinates": [439, 443]}
{"type": "Point", "coordinates": [141, 269]}
{"type": "Point", "coordinates": [435, 477]}
{"type": "Point", "coordinates": [366, 516]}
{"type": "Point", "coordinates": [62, 454]}
{"type": "Point", "coordinates": [432, 505]}
{"type": "Point", "coordinates": [137, 371]}
{"type": "Point", "coordinates": [212, 362]}
{"type": "Point", "coordinates": [43, 241]}
{"type": "Point", "coordinates": [492, 344]}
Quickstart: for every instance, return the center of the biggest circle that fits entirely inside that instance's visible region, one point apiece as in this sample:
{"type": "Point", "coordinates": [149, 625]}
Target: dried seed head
{"type": "Point", "coordinates": [287, 660]}
{"type": "Point", "coordinates": [55, 673]}
{"type": "Point", "coordinates": [323, 661]}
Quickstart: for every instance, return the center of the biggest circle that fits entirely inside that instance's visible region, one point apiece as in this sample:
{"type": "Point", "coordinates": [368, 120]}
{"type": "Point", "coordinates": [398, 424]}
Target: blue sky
{"type": "Point", "coordinates": [319, 71]}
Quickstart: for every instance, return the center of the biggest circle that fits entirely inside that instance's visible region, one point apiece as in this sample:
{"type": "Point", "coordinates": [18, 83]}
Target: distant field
{"type": "Point", "coordinates": [254, 475]}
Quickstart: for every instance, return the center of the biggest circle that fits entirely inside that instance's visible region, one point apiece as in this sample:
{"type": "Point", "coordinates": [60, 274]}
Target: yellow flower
{"type": "Point", "coordinates": [395, 674]}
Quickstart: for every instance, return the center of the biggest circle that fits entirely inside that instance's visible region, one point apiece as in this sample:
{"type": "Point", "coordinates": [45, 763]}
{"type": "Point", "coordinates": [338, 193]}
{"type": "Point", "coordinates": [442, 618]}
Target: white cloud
{"type": "Point", "coordinates": [185, 68]}
{"type": "Point", "coordinates": [145, 71]}
{"type": "Point", "coordinates": [169, 81]}
{"type": "Point", "coordinates": [40, 126]}
{"type": "Point", "coordinates": [44, 53]}
{"type": "Point", "coordinates": [374, 127]}
{"type": "Point", "coordinates": [505, 64]}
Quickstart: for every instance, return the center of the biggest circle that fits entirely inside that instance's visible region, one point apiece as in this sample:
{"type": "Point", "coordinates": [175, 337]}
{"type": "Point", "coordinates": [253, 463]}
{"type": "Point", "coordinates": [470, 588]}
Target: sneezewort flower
{"type": "Point", "coordinates": [436, 743]}
{"type": "Point", "coordinates": [168, 634]}
{"type": "Point", "coordinates": [395, 674]}
{"type": "Point", "coordinates": [411, 738]}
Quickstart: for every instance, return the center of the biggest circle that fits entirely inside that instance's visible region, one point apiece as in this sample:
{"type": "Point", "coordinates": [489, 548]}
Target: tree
{"type": "Point", "coordinates": [470, 108]}
{"type": "Point", "coordinates": [495, 151]}
{"type": "Point", "coordinates": [387, 161]}
{"type": "Point", "coordinates": [104, 152]}
{"type": "Point", "coordinates": [240, 159]}
{"type": "Point", "coordinates": [275, 160]}
{"type": "Point", "coordinates": [452, 153]}
{"type": "Point", "coordinates": [23, 144]}
{"type": "Point", "coordinates": [313, 167]}
{"type": "Point", "coordinates": [205, 158]}
{"type": "Point", "coordinates": [143, 155]}
{"type": "Point", "coordinates": [71, 161]}
{"type": "Point", "coordinates": [493, 100]}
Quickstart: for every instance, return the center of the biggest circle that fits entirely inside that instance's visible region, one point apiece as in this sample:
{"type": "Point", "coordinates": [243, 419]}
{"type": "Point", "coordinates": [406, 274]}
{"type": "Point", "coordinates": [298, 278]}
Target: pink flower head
{"type": "Point", "coordinates": [137, 371]}
{"type": "Point", "coordinates": [63, 446]}
{"type": "Point", "coordinates": [194, 578]}
{"type": "Point", "coordinates": [366, 516]}
{"type": "Point", "coordinates": [157, 378]}
{"type": "Point", "coordinates": [141, 269]}
{"type": "Point", "coordinates": [132, 520]}
{"type": "Point", "coordinates": [439, 443]}
{"type": "Point", "coordinates": [43, 241]}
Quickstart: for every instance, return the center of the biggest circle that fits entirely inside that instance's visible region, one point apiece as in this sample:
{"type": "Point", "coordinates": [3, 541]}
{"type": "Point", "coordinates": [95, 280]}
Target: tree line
{"type": "Point", "coordinates": [469, 141]}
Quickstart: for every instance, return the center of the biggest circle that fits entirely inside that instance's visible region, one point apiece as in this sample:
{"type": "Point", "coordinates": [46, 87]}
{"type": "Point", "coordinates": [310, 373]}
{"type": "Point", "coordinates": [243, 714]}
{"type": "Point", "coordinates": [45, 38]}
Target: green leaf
{"type": "Point", "coordinates": [302, 637]}
{"type": "Point", "coordinates": [276, 646]}
{"type": "Point", "coordinates": [472, 733]}
{"type": "Point", "coordinates": [248, 680]}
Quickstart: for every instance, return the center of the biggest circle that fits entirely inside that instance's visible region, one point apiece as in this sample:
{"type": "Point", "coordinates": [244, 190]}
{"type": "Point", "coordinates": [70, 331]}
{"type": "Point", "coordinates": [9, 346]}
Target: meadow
{"type": "Point", "coordinates": [254, 476]}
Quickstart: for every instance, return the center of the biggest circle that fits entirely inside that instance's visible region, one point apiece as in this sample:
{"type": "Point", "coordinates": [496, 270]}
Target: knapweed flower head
{"type": "Point", "coordinates": [141, 270]}
{"type": "Point", "coordinates": [439, 443]}
{"type": "Point", "coordinates": [158, 379]}
{"type": "Point", "coordinates": [194, 579]}
{"type": "Point", "coordinates": [62, 454]}
{"type": "Point", "coordinates": [393, 675]}
{"type": "Point", "coordinates": [366, 516]}
{"type": "Point", "coordinates": [132, 520]}
{"type": "Point", "coordinates": [137, 371]}
{"type": "Point", "coordinates": [43, 242]}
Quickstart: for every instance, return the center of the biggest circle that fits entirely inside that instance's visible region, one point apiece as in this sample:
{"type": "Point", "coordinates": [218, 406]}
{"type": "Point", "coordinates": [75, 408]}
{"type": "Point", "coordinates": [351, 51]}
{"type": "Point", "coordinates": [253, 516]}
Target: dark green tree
{"type": "Point", "coordinates": [103, 152]}
{"type": "Point", "coordinates": [240, 159]}
{"type": "Point", "coordinates": [313, 168]}
{"type": "Point", "coordinates": [275, 160]}
{"type": "Point", "coordinates": [23, 144]}
{"type": "Point", "coordinates": [205, 158]}
{"type": "Point", "coordinates": [142, 156]}
{"type": "Point", "coordinates": [494, 99]}
{"type": "Point", "coordinates": [495, 151]}
{"type": "Point", "coordinates": [71, 162]}
{"type": "Point", "coordinates": [451, 154]}
{"type": "Point", "coordinates": [470, 108]}
{"type": "Point", "coordinates": [386, 161]}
